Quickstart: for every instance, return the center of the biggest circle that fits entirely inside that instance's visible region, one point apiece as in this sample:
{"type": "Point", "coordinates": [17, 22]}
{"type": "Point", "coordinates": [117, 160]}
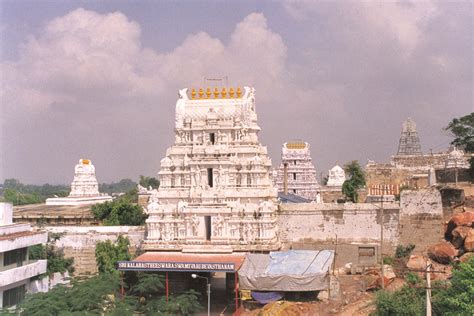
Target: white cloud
{"type": "Point", "coordinates": [86, 71]}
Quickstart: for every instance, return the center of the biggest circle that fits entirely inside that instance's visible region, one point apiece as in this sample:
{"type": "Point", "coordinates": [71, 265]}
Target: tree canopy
{"type": "Point", "coordinates": [112, 292]}
{"type": "Point", "coordinates": [356, 180]}
{"type": "Point", "coordinates": [455, 297]}
{"type": "Point", "coordinates": [462, 129]}
{"type": "Point", "coordinates": [119, 212]}
{"type": "Point", "coordinates": [107, 254]}
{"type": "Point", "coordinates": [149, 182]}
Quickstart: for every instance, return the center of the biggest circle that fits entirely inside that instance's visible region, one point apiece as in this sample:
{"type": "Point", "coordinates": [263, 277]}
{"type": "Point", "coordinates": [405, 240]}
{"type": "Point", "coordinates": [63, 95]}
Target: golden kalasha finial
{"type": "Point", "coordinates": [231, 92]}
{"type": "Point", "coordinates": [201, 93]}
{"type": "Point", "coordinates": [193, 93]}
{"type": "Point", "coordinates": [224, 93]}
{"type": "Point", "coordinates": [216, 93]}
{"type": "Point", "coordinates": [239, 92]}
{"type": "Point", "coordinates": [208, 93]}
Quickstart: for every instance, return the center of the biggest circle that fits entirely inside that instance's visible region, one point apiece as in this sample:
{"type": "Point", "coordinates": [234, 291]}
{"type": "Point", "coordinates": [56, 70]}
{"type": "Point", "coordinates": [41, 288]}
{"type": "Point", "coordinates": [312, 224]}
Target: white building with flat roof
{"type": "Point", "coordinates": [16, 269]}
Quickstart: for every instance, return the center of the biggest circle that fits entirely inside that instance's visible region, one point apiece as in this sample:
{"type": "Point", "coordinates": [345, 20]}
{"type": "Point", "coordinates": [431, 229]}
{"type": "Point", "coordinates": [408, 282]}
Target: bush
{"type": "Point", "coordinates": [119, 212]}
{"type": "Point", "coordinates": [404, 251]}
{"type": "Point", "coordinates": [457, 299]}
{"type": "Point", "coordinates": [107, 254]}
{"type": "Point", "coordinates": [406, 301]}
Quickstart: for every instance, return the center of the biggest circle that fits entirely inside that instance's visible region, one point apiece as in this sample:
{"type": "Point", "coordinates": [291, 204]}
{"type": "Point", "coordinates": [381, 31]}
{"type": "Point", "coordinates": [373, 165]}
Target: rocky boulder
{"type": "Point", "coordinates": [459, 235]}
{"type": "Point", "coordinates": [469, 241]}
{"type": "Point", "coordinates": [416, 262]}
{"type": "Point", "coordinates": [442, 252]}
{"type": "Point", "coordinates": [465, 257]}
{"type": "Point", "coordinates": [460, 219]}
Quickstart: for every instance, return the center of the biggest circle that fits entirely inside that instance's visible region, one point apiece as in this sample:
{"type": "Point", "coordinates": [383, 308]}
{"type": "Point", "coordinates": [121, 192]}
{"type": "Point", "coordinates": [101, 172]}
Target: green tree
{"type": "Point", "coordinates": [107, 254]}
{"type": "Point", "coordinates": [356, 180]}
{"type": "Point", "coordinates": [19, 194]}
{"type": "Point", "coordinates": [122, 186]}
{"type": "Point", "coordinates": [57, 262]}
{"type": "Point", "coordinates": [92, 296]}
{"type": "Point", "coordinates": [149, 182]}
{"type": "Point", "coordinates": [458, 298]}
{"type": "Point", "coordinates": [462, 129]}
{"type": "Point", "coordinates": [119, 212]}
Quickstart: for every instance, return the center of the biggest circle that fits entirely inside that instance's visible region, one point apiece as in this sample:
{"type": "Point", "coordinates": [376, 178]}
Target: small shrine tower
{"type": "Point", "coordinates": [296, 174]}
{"type": "Point", "coordinates": [409, 140]}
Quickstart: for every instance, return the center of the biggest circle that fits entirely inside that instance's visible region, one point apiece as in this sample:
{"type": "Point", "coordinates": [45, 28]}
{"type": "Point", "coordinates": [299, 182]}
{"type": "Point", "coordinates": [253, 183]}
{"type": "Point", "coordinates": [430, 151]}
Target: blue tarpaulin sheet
{"type": "Point", "coordinates": [267, 297]}
{"type": "Point", "coordinates": [294, 270]}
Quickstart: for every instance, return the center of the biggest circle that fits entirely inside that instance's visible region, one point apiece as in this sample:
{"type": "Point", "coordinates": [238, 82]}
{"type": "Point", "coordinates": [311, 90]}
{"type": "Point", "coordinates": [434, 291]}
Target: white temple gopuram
{"type": "Point", "coordinates": [215, 191]}
{"type": "Point", "coordinates": [336, 177]}
{"type": "Point", "coordinates": [84, 187]}
{"type": "Point", "coordinates": [300, 171]}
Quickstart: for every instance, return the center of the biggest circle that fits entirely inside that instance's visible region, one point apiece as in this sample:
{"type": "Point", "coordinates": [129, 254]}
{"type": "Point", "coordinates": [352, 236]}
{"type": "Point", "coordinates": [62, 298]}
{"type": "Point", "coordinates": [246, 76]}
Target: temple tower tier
{"type": "Point", "coordinates": [296, 173]}
{"type": "Point", "coordinates": [409, 140]}
{"type": "Point", "coordinates": [215, 185]}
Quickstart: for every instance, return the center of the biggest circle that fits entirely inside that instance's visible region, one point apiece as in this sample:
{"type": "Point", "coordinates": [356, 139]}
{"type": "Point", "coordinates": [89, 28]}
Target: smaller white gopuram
{"type": "Point", "coordinates": [296, 165]}
{"type": "Point", "coordinates": [336, 177]}
{"type": "Point", "coordinates": [84, 187]}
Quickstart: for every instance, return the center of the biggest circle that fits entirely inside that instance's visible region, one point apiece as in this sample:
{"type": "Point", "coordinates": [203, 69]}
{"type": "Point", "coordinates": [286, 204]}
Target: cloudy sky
{"type": "Point", "coordinates": [99, 79]}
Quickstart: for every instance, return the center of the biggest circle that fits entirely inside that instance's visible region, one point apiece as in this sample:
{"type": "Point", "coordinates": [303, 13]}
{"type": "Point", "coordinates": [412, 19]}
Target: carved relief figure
{"type": "Point", "coordinates": [194, 224]}
{"type": "Point", "coordinates": [218, 225]}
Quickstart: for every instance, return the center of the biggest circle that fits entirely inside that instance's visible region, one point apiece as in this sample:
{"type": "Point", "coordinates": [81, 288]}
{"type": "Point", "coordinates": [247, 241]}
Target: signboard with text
{"type": "Point", "coordinates": [176, 266]}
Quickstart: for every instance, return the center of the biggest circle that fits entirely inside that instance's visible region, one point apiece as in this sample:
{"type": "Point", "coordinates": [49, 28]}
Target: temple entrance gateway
{"type": "Point", "coordinates": [214, 179]}
{"type": "Point", "coordinates": [178, 269]}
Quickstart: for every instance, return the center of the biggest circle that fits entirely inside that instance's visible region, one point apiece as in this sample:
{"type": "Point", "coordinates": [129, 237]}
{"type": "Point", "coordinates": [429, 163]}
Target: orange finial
{"type": "Point", "coordinates": [231, 92]}
{"type": "Point", "coordinates": [224, 93]}
{"type": "Point", "coordinates": [216, 93]}
{"type": "Point", "coordinates": [193, 93]}
{"type": "Point", "coordinates": [239, 92]}
{"type": "Point", "coordinates": [201, 93]}
{"type": "Point", "coordinates": [208, 93]}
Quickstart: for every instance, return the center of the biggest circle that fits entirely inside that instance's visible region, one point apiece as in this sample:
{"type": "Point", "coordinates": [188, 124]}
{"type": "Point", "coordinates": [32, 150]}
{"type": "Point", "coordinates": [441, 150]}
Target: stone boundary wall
{"type": "Point", "coordinates": [79, 242]}
{"type": "Point", "coordinates": [416, 219]}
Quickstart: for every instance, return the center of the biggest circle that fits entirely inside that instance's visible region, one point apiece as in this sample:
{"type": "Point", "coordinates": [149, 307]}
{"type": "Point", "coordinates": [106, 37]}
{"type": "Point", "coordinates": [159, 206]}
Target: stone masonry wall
{"type": "Point", "coordinates": [421, 218]}
{"type": "Point", "coordinates": [357, 226]}
{"type": "Point", "coordinates": [79, 242]}
{"type": "Point", "coordinates": [417, 219]}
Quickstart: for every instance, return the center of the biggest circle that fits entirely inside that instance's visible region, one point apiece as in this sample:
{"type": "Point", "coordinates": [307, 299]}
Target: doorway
{"type": "Point", "coordinates": [207, 222]}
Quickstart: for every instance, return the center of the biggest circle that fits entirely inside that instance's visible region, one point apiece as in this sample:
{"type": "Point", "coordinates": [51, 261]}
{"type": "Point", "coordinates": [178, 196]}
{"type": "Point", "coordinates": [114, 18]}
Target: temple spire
{"type": "Point", "coordinates": [409, 140]}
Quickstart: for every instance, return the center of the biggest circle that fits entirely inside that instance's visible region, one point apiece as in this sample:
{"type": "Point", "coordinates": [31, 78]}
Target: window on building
{"type": "Point", "coordinates": [294, 162]}
{"type": "Point", "coordinates": [212, 138]}
{"type": "Point", "coordinates": [294, 191]}
{"type": "Point", "coordinates": [14, 296]}
{"type": "Point", "coordinates": [367, 255]}
{"type": "Point", "coordinates": [210, 177]}
{"type": "Point", "coordinates": [16, 256]}
{"type": "Point", "coordinates": [294, 176]}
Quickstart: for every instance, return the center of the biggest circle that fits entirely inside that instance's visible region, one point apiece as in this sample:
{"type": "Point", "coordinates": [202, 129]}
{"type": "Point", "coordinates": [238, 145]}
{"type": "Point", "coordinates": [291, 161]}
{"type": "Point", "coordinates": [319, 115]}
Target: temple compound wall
{"type": "Point", "coordinates": [417, 219]}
